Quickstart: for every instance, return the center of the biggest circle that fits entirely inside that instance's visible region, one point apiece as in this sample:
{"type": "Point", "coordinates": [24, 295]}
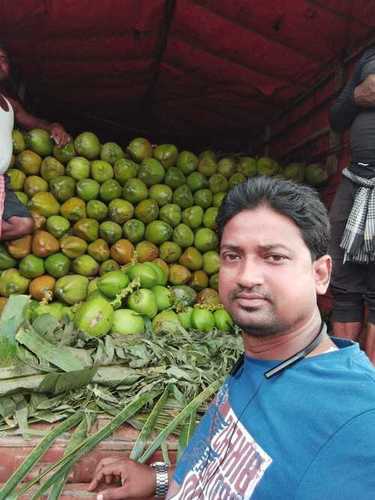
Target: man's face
{"type": "Point", "coordinates": [4, 66]}
{"type": "Point", "coordinates": [267, 279]}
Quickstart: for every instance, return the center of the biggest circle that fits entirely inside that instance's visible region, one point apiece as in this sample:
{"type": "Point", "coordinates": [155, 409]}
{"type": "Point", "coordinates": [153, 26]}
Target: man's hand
{"type": "Point", "coordinates": [364, 93]}
{"type": "Point", "coordinates": [59, 135]}
{"type": "Point", "coordinates": [133, 480]}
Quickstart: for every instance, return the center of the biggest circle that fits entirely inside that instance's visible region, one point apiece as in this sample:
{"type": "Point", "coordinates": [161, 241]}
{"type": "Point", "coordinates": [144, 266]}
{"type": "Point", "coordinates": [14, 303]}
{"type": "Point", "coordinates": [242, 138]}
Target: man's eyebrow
{"type": "Point", "coordinates": [230, 247]}
{"type": "Point", "coordinates": [272, 246]}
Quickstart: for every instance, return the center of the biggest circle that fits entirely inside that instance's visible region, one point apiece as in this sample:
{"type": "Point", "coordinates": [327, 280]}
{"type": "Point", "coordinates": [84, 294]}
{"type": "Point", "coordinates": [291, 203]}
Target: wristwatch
{"type": "Point", "coordinates": [162, 481]}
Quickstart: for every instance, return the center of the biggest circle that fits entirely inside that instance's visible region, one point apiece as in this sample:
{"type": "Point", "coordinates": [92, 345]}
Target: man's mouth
{"type": "Point", "coordinates": [250, 296]}
{"type": "Point", "coordinates": [250, 302]}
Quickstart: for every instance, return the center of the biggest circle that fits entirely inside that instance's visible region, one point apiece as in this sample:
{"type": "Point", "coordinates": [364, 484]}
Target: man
{"type": "Point", "coordinates": [352, 211]}
{"type": "Point", "coordinates": [15, 218]}
{"type": "Point", "coordinates": [296, 419]}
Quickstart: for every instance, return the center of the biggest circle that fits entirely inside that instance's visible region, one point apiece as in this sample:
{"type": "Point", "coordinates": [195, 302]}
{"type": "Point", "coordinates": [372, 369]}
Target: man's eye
{"type": "Point", "coordinates": [276, 258]}
{"type": "Point", "coordinates": [230, 256]}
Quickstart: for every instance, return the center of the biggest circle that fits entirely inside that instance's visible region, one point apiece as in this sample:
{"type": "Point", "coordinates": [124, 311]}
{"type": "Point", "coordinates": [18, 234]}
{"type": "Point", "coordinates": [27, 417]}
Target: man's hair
{"type": "Point", "coordinates": [299, 203]}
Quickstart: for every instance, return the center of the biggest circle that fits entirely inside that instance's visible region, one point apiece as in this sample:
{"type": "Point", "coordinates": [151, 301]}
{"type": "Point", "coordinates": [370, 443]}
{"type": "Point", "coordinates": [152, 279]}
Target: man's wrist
{"type": "Point", "coordinates": [54, 124]}
{"type": "Point", "coordinates": [161, 479]}
{"type": "Point", "coordinates": [357, 96]}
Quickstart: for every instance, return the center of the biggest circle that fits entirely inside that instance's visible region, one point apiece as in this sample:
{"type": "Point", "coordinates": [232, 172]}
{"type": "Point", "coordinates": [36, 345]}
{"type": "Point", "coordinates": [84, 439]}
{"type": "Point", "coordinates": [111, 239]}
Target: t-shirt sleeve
{"type": "Point", "coordinates": [344, 469]}
{"type": "Point", "coordinates": [344, 109]}
{"type": "Point", "coordinates": [198, 442]}
{"type": "Point", "coordinates": [368, 69]}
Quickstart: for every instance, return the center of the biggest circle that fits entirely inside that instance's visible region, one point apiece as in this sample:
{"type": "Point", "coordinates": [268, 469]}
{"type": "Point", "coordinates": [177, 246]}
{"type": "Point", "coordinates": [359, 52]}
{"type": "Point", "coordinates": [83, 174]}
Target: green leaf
{"type": "Point", "coordinates": [10, 320]}
{"type": "Point", "coordinates": [100, 354]}
{"type": "Point", "coordinates": [73, 456]}
{"type": "Point", "coordinates": [149, 425]}
{"type": "Point", "coordinates": [77, 437]}
{"type": "Point", "coordinates": [59, 356]}
{"type": "Point", "coordinates": [13, 310]}
{"type": "Point", "coordinates": [56, 383]}
{"type": "Point", "coordinates": [174, 371]}
{"type": "Point", "coordinates": [108, 408]}
{"type": "Point", "coordinates": [104, 394]}
{"type": "Point", "coordinates": [191, 407]}
{"type": "Point", "coordinates": [36, 454]}
{"type": "Point", "coordinates": [109, 348]}
{"type": "Point", "coordinates": [28, 358]}
{"type": "Point", "coordinates": [165, 452]}
{"type": "Point", "coordinates": [21, 414]}
{"type": "Point", "coordinates": [45, 324]}
{"type": "Point", "coordinates": [187, 432]}
{"type": "Point", "coordinates": [51, 418]}
{"type": "Point", "coordinates": [7, 407]}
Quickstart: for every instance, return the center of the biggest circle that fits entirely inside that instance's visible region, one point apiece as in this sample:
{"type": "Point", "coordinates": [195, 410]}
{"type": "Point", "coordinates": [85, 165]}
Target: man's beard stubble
{"type": "Point", "coordinates": [259, 330]}
{"type": "Point", "coordinates": [271, 325]}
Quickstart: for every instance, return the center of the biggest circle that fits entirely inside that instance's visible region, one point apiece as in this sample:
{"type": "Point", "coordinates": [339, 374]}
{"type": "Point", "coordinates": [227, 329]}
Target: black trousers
{"type": "Point", "coordinates": [352, 284]}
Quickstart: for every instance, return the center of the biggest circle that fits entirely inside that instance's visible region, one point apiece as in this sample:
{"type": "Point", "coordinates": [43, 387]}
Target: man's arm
{"type": "Point", "coordinates": [364, 94]}
{"type": "Point", "coordinates": [346, 107]}
{"type": "Point", "coordinates": [25, 119]}
{"type": "Point", "coordinates": [137, 480]}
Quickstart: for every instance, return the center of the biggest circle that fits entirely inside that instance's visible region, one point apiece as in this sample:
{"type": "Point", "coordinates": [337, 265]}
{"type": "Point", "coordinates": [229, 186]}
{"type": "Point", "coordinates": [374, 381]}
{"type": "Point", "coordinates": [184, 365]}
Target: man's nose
{"type": "Point", "coordinates": [251, 273]}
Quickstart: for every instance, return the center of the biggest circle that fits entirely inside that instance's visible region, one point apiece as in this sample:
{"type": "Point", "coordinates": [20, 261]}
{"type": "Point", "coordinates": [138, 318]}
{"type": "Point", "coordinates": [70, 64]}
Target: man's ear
{"type": "Point", "coordinates": [322, 269]}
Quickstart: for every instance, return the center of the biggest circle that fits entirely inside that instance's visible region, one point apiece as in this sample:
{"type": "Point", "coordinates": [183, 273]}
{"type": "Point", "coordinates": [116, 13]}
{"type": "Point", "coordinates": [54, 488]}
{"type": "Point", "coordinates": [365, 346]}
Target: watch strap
{"type": "Point", "coordinates": [162, 480]}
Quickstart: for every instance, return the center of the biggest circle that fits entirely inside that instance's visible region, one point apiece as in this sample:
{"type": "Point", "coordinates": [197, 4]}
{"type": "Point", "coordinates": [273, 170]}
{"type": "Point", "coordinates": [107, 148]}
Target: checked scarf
{"type": "Point", "coordinates": [359, 233]}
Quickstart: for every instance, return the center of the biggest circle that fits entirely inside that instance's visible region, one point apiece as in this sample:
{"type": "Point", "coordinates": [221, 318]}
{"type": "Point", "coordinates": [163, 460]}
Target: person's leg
{"type": "Point", "coordinates": [348, 283]}
{"type": "Point", "coordinates": [347, 330]}
{"type": "Point", "coordinates": [16, 221]}
{"type": "Point", "coordinates": [347, 314]}
{"type": "Point", "coordinates": [369, 343]}
{"type": "Point", "coordinates": [369, 340]}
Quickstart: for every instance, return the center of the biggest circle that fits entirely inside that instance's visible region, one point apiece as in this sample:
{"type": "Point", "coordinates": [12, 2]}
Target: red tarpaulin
{"type": "Point", "coordinates": [194, 72]}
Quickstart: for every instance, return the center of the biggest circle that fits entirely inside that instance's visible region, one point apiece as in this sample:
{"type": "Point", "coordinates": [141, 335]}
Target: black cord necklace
{"type": "Point", "coordinates": [298, 355]}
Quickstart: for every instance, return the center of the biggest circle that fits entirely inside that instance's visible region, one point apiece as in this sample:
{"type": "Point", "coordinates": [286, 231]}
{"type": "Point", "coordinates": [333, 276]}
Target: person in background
{"type": "Point", "coordinates": [16, 220]}
{"type": "Point", "coordinates": [352, 212]}
{"type": "Point", "coordinates": [296, 417]}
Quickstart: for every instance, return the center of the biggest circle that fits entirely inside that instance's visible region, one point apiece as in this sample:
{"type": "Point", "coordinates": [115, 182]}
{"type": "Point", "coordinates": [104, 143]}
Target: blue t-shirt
{"type": "Point", "coordinates": [305, 434]}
